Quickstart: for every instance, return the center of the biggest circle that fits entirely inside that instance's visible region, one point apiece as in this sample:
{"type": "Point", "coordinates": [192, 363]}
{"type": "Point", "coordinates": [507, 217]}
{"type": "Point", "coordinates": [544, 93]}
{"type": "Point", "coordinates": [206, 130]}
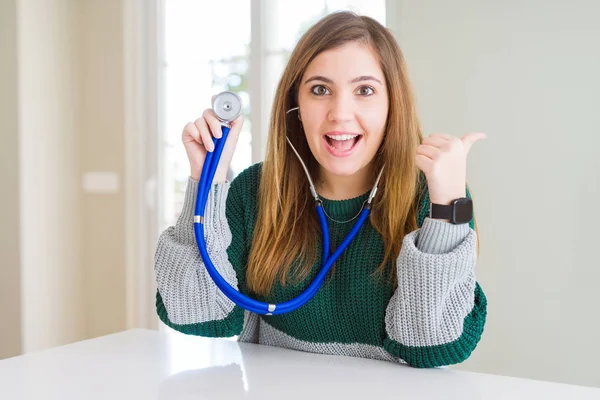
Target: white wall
{"type": "Point", "coordinates": [102, 135]}
{"type": "Point", "coordinates": [526, 73]}
{"type": "Point", "coordinates": [63, 270]}
{"type": "Point", "coordinates": [53, 305]}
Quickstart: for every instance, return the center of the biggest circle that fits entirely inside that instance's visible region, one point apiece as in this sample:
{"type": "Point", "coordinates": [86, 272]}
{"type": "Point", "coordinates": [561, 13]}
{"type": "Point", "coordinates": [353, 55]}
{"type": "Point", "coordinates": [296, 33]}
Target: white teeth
{"type": "Point", "coordinates": [341, 137]}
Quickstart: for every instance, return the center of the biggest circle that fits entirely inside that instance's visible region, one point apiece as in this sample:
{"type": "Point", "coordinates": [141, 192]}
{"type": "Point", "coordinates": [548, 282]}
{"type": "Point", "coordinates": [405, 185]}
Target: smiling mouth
{"type": "Point", "coordinates": [343, 143]}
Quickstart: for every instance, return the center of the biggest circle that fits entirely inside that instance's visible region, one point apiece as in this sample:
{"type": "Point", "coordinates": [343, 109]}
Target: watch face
{"type": "Point", "coordinates": [463, 211]}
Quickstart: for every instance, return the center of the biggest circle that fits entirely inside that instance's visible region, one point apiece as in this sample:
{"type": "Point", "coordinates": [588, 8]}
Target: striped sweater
{"type": "Point", "coordinates": [433, 317]}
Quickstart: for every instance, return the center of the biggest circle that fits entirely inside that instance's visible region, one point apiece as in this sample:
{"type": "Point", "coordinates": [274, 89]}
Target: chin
{"type": "Point", "coordinates": [341, 168]}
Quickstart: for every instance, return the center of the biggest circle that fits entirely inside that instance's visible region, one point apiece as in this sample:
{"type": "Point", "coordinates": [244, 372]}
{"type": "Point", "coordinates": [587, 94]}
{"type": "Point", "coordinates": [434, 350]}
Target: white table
{"type": "Point", "coordinates": [144, 364]}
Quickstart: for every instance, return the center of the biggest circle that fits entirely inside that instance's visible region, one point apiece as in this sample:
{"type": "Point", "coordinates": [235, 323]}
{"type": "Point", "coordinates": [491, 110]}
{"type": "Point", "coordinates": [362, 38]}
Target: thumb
{"type": "Point", "coordinates": [470, 138]}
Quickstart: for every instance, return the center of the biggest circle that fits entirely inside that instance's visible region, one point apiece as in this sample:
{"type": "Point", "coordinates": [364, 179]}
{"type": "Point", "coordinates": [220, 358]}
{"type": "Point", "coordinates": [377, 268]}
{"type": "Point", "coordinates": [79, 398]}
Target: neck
{"type": "Point", "coordinates": [341, 187]}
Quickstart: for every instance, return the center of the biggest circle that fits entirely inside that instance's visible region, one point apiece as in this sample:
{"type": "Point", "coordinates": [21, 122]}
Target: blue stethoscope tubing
{"type": "Point", "coordinates": [209, 168]}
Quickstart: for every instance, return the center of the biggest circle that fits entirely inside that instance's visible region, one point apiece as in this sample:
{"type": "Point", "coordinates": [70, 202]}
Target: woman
{"type": "Point", "coordinates": [404, 290]}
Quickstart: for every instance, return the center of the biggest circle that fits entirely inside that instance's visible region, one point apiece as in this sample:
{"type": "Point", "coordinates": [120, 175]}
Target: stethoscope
{"type": "Point", "coordinates": [227, 106]}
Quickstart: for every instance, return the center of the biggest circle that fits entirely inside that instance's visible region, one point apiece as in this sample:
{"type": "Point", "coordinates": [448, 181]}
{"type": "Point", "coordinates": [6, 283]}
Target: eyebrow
{"type": "Point", "coordinates": [355, 80]}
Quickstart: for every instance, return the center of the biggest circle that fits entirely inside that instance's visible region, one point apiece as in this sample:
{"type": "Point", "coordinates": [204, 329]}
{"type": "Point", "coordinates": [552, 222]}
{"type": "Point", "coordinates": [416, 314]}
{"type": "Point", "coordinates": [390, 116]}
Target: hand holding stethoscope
{"type": "Point", "coordinates": [199, 137]}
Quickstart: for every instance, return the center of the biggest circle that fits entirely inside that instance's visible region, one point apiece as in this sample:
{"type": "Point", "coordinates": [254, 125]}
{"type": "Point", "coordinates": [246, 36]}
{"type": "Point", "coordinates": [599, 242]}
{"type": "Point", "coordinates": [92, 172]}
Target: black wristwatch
{"type": "Point", "coordinates": [460, 211]}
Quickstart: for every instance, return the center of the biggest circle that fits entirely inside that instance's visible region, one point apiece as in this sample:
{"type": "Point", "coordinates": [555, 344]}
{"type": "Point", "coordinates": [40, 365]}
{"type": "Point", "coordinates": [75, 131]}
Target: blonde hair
{"type": "Point", "coordinates": [287, 225]}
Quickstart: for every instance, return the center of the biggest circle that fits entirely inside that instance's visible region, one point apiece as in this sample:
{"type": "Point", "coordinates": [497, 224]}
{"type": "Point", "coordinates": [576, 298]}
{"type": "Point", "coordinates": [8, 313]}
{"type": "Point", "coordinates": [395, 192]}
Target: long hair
{"type": "Point", "coordinates": [287, 225]}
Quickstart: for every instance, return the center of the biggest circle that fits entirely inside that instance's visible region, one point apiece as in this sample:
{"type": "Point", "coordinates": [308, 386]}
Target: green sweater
{"type": "Point", "coordinates": [434, 317]}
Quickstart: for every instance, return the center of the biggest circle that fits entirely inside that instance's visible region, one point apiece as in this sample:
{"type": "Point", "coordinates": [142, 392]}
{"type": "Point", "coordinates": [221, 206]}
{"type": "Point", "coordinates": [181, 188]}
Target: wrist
{"type": "Point", "coordinates": [217, 178]}
{"type": "Point", "coordinates": [220, 176]}
{"type": "Point", "coordinates": [446, 200]}
{"type": "Point", "coordinates": [459, 211]}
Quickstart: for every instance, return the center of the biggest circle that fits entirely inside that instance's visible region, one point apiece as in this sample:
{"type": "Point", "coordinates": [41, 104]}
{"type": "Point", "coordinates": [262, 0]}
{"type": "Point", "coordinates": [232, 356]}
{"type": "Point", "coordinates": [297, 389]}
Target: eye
{"type": "Point", "coordinates": [319, 90]}
{"type": "Point", "coordinates": [366, 91]}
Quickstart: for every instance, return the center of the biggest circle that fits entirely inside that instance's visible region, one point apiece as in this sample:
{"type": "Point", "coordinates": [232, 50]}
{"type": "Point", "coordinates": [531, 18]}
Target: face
{"type": "Point", "coordinates": [343, 104]}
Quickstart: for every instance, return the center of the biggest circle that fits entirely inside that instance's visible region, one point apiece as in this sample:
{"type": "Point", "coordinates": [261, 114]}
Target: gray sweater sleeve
{"type": "Point", "coordinates": [188, 293]}
{"type": "Point", "coordinates": [436, 290]}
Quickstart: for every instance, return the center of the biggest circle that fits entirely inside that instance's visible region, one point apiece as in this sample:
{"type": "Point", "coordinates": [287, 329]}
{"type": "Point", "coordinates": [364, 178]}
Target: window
{"type": "Point", "coordinates": [202, 58]}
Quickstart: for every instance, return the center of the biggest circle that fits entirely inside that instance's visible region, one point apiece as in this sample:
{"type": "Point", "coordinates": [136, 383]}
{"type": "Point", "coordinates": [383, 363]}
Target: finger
{"type": "Point", "coordinates": [435, 141]}
{"type": "Point", "coordinates": [428, 151]}
{"type": "Point", "coordinates": [213, 123]}
{"type": "Point", "coordinates": [238, 122]}
{"type": "Point", "coordinates": [444, 136]}
{"type": "Point", "coordinates": [191, 130]}
{"type": "Point", "coordinates": [470, 138]}
{"type": "Point", "coordinates": [206, 139]}
{"type": "Point", "coordinates": [193, 149]}
{"type": "Point", "coordinates": [424, 163]}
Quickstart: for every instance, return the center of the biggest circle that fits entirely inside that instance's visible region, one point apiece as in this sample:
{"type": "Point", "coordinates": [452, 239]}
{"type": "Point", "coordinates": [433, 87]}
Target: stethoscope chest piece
{"type": "Point", "coordinates": [227, 106]}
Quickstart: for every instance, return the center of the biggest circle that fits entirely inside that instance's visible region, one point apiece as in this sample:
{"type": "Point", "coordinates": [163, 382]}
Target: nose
{"type": "Point", "coordinates": [341, 109]}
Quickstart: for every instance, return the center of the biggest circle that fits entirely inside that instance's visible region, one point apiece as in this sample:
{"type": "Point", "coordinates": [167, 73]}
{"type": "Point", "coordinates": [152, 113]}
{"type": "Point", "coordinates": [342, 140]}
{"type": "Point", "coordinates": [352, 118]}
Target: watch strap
{"type": "Point", "coordinates": [440, 211]}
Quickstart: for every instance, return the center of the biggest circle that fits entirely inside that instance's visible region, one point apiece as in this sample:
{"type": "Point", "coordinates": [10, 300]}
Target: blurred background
{"type": "Point", "coordinates": [94, 95]}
